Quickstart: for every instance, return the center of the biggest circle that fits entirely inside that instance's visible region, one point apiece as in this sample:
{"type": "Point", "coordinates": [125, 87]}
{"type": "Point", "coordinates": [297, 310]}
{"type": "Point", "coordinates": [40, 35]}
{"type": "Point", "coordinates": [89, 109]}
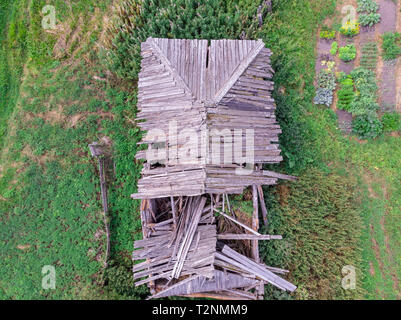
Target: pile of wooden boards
{"type": "Point", "coordinates": [184, 255]}
{"type": "Point", "coordinates": [220, 92]}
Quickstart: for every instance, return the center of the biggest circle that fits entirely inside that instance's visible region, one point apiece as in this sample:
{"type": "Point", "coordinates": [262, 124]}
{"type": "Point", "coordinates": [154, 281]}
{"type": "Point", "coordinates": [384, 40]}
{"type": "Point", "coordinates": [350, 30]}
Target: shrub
{"type": "Point", "coordinates": [369, 19]}
{"type": "Point", "coordinates": [346, 93]}
{"type": "Point", "coordinates": [324, 97]}
{"type": "Point", "coordinates": [347, 53]}
{"type": "Point", "coordinates": [334, 48]}
{"type": "Point", "coordinates": [328, 34]}
{"type": "Point", "coordinates": [391, 45]}
{"type": "Point", "coordinates": [369, 6]}
{"type": "Point", "coordinates": [350, 28]}
{"type": "Point", "coordinates": [391, 122]}
{"type": "Point", "coordinates": [365, 82]}
{"type": "Point", "coordinates": [367, 126]}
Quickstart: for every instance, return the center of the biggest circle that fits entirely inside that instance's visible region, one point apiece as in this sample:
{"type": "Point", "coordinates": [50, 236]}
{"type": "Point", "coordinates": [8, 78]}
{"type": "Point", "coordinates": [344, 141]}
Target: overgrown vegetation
{"type": "Point", "coordinates": [319, 218]}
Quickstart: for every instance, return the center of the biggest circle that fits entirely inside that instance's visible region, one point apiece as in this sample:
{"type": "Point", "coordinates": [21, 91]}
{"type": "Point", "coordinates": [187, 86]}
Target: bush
{"type": "Point", "coordinates": [366, 89]}
{"type": "Point", "coordinates": [369, 19]}
{"type": "Point", "coordinates": [367, 126]}
{"type": "Point", "coordinates": [347, 53]}
{"type": "Point", "coordinates": [363, 104]}
{"type": "Point", "coordinates": [365, 82]}
{"type": "Point", "coordinates": [391, 122]}
{"type": "Point", "coordinates": [391, 45]}
{"type": "Point", "coordinates": [350, 28]}
{"type": "Point", "coordinates": [334, 48]}
{"type": "Point", "coordinates": [369, 6]}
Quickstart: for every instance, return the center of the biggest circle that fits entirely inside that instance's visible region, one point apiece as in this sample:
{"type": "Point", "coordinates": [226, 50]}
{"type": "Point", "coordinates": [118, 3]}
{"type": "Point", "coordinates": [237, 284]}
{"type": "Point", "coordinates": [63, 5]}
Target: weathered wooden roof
{"type": "Point", "coordinates": [224, 85]}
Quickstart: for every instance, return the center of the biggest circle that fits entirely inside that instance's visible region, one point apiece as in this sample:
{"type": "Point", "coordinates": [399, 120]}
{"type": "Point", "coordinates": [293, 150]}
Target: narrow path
{"type": "Point", "coordinates": [387, 76]}
{"type": "Point", "coordinates": [398, 67]}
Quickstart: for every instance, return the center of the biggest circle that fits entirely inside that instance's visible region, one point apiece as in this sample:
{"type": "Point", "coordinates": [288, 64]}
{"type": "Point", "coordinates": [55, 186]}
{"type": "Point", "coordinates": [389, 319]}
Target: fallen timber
{"type": "Point", "coordinates": [224, 86]}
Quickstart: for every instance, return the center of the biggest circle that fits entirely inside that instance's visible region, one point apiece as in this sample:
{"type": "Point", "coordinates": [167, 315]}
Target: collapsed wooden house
{"type": "Point", "coordinates": [205, 106]}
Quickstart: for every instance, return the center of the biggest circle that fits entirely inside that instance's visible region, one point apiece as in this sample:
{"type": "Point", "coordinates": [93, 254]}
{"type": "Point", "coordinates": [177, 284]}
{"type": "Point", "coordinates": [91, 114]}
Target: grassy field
{"type": "Point", "coordinates": [58, 95]}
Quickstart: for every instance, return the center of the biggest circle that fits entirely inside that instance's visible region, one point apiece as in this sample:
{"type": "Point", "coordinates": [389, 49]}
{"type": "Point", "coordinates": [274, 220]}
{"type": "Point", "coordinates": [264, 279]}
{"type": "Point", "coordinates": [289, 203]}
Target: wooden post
{"type": "Point", "coordinates": [262, 205]}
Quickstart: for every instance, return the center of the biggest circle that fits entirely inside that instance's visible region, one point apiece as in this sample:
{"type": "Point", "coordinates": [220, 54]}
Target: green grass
{"type": "Point", "coordinates": [50, 210]}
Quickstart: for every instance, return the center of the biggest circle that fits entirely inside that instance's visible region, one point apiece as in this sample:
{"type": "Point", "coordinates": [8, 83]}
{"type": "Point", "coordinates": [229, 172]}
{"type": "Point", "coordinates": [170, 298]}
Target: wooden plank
{"type": "Point", "coordinates": [237, 222]}
{"type": "Point", "coordinates": [262, 204]}
{"type": "Point", "coordinates": [234, 236]}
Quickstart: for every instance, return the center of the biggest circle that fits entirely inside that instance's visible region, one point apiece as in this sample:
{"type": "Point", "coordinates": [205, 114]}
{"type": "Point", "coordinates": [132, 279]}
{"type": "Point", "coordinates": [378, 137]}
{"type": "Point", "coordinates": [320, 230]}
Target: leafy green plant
{"type": "Point", "coordinates": [326, 79]}
{"type": "Point", "coordinates": [391, 121]}
{"type": "Point", "coordinates": [347, 53]}
{"type": "Point", "coordinates": [366, 92]}
{"type": "Point", "coordinates": [326, 82]}
{"type": "Point", "coordinates": [391, 45]}
{"type": "Point", "coordinates": [367, 126]}
{"type": "Point", "coordinates": [363, 104]}
{"type": "Point", "coordinates": [369, 19]}
{"type": "Point", "coordinates": [345, 93]}
{"type": "Point", "coordinates": [328, 34]}
{"type": "Point", "coordinates": [334, 48]}
{"type": "Point", "coordinates": [350, 28]}
{"type": "Point", "coordinates": [369, 6]}
{"type": "Point", "coordinates": [323, 96]}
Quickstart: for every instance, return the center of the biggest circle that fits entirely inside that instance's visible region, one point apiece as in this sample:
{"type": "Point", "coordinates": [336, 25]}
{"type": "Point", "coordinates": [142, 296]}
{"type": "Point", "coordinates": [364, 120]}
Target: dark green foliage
{"type": "Point", "coordinates": [367, 126]}
{"type": "Point", "coordinates": [320, 226]}
{"type": "Point", "coordinates": [189, 19]}
{"type": "Point", "coordinates": [366, 92]}
{"type": "Point", "coordinates": [345, 93]}
{"type": "Point", "coordinates": [391, 122]}
{"type": "Point", "coordinates": [391, 45]}
{"type": "Point", "coordinates": [119, 280]}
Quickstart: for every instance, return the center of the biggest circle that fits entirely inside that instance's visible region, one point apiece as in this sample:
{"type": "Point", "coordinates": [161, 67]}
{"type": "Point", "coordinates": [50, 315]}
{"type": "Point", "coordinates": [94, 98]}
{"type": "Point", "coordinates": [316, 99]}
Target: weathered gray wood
{"type": "Point", "coordinates": [234, 236]}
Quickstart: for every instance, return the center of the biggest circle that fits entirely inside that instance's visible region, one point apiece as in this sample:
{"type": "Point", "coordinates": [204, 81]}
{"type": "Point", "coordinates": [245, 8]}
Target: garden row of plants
{"type": "Point", "coordinates": [368, 17]}
{"type": "Point", "coordinates": [357, 94]}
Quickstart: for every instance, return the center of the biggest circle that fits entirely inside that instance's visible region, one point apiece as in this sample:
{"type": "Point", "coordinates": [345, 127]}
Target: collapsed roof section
{"type": "Point", "coordinates": [194, 96]}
